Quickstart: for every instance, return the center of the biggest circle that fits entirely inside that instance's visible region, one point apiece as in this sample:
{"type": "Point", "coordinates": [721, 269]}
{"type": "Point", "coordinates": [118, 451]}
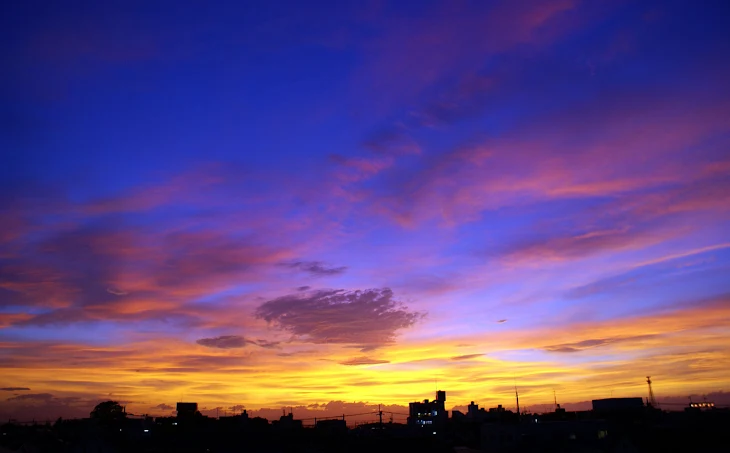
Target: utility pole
{"type": "Point", "coordinates": [380, 416]}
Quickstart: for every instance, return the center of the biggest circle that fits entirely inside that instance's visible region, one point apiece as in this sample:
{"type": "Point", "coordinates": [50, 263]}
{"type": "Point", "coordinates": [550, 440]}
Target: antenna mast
{"type": "Point", "coordinates": [652, 400]}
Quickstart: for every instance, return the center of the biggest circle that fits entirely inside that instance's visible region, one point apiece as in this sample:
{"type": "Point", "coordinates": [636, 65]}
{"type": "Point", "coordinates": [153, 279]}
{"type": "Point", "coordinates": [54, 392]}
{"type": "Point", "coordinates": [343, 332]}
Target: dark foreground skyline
{"type": "Point", "coordinates": [298, 203]}
{"type": "Point", "coordinates": [46, 407]}
{"type": "Point", "coordinates": [612, 424]}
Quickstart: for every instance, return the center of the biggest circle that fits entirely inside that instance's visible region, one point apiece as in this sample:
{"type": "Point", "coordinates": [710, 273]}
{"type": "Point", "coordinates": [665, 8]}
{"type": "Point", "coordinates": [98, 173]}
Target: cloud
{"type": "Point", "coordinates": [466, 356]}
{"type": "Point", "coordinates": [14, 389]}
{"type": "Point", "coordinates": [355, 361]}
{"type": "Point", "coordinates": [163, 407]}
{"type": "Point", "coordinates": [33, 397]}
{"type": "Point", "coordinates": [413, 54]}
{"type": "Point", "coordinates": [501, 321]}
{"type": "Point", "coordinates": [316, 268]}
{"type": "Point", "coordinates": [368, 318]}
{"type": "Point", "coordinates": [593, 343]}
{"type": "Point", "coordinates": [468, 98]}
{"type": "Point", "coordinates": [303, 288]}
{"type": "Point", "coordinates": [235, 341]}
{"type": "Point", "coordinates": [79, 271]}
{"type": "Point", "coordinates": [116, 291]}
{"type": "Point", "coordinates": [223, 342]}
{"type": "Point", "coordinates": [237, 408]}
{"type": "Point", "coordinates": [297, 353]}
{"type": "Point", "coordinates": [584, 244]}
{"type": "Point", "coordinates": [266, 344]}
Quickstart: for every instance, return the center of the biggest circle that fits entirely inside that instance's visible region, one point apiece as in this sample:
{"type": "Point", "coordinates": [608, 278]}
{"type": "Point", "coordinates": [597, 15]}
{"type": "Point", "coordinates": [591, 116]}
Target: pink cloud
{"type": "Point", "coordinates": [616, 154]}
{"type": "Point", "coordinates": [412, 54]}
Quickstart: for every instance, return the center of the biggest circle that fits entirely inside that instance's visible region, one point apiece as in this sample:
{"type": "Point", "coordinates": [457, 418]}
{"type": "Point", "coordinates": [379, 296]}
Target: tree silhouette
{"type": "Point", "coordinates": [108, 411]}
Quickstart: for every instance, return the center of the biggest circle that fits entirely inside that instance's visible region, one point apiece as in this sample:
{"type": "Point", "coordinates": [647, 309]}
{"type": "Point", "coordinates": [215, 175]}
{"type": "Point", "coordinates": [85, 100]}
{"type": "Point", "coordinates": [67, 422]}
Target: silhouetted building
{"type": "Point", "coordinates": [618, 404]}
{"type": "Point", "coordinates": [234, 421]}
{"type": "Point", "coordinates": [333, 426]}
{"type": "Point", "coordinates": [187, 409]}
{"type": "Point", "coordinates": [475, 414]}
{"type": "Point", "coordinates": [429, 414]}
{"type": "Point", "coordinates": [287, 423]}
{"type": "Point", "coordinates": [583, 435]}
{"type": "Point", "coordinates": [497, 410]}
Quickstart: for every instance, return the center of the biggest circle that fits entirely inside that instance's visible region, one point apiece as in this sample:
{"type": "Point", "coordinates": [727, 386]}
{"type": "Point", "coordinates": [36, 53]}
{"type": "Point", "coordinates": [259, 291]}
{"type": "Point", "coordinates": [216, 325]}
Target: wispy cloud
{"type": "Point", "coordinates": [594, 343]}
{"type": "Point", "coordinates": [32, 396]}
{"type": "Point", "coordinates": [466, 357]}
{"type": "Point", "coordinates": [316, 268]}
{"type": "Point", "coordinates": [234, 342]}
{"type": "Point", "coordinates": [356, 361]}
{"type": "Point", "coordinates": [223, 342]}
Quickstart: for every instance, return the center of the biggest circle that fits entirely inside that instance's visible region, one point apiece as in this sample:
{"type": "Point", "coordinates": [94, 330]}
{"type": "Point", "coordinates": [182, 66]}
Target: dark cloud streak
{"type": "Point", "coordinates": [368, 318]}
{"type": "Point", "coordinates": [466, 356]}
{"type": "Point", "coordinates": [317, 268]}
{"type": "Point", "coordinates": [235, 341]}
{"type": "Point", "coordinates": [593, 343]}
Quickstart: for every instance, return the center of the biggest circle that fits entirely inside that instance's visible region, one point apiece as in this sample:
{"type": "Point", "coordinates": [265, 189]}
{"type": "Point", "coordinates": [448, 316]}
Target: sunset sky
{"type": "Point", "coordinates": [333, 205]}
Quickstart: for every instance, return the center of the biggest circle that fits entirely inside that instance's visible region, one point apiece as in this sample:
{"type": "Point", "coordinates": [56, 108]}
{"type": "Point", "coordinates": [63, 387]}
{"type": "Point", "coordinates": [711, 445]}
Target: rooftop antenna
{"type": "Point", "coordinates": [555, 400]}
{"type": "Point", "coordinates": [652, 400]}
{"type": "Point", "coordinates": [517, 397]}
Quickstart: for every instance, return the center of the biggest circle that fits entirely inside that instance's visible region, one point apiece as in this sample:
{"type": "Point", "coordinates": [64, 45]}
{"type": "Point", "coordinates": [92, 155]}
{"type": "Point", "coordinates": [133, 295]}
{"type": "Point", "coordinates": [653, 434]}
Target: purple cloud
{"type": "Point", "coordinates": [316, 268]}
{"type": "Point", "coordinates": [223, 342]}
{"type": "Point", "coordinates": [235, 341]}
{"type": "Point", "coordinates": [163, 407]}
{"type": "Point", "coordinates": [368, 318]}
{"type": "Point", "coordinates": [594, 343]}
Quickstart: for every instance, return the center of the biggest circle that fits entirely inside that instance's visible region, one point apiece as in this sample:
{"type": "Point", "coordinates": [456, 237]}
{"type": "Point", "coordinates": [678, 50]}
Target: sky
{"type": "Point", "coordinates": [334, 205]}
